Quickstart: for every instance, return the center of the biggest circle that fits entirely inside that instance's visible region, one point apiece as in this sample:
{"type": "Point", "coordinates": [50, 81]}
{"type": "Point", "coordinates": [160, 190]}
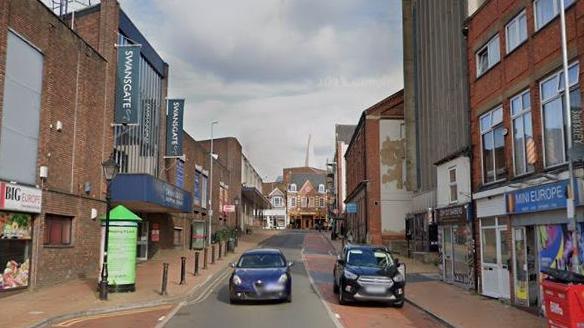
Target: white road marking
{"type": "Point", "coordinates": [161, 318]}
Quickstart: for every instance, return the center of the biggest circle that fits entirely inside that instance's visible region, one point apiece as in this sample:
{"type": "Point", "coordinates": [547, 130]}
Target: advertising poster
{"type": "Point", "coordinates": [557, 247]}
{"type": "Point", "coordinates": [197, 191]}
{"type": "Point", "coordinates": [15, 232]}
{"type": "Point", "coordinates": [122, 255]}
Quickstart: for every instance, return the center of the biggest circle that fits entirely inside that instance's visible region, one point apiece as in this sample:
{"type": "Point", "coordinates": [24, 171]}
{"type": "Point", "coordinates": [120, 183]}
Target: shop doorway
{"type": "Point", "coordinates": [525, 266]}
{"type": "Point", "coordinates": [448, 262]}
{"type": "Point", "coordinates": [142, 244]}
{"type": "Point", "coordinates": [495, 258]}
{"type": "Point", "coordinates": [455, 254]}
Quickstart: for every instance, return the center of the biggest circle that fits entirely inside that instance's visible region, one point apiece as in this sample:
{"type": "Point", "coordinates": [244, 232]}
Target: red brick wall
{"type": "Point", "coordinates": [73, 93]}
{"type": "Point", "coordinates": [523, 68]}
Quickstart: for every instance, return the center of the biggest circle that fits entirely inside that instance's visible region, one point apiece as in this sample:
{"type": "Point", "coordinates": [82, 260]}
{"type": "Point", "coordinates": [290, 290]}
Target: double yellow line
{"type": "Point", "coordinates": [71, 322]}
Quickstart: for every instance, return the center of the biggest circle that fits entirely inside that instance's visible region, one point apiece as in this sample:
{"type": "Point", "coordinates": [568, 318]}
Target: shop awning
{"type": "Point", "coordinates": [254, 196]}
{"type": "Point", "coordinates": [145, 193]}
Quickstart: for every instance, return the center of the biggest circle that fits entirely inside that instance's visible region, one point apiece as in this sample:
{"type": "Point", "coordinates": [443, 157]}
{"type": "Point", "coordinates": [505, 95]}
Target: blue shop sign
{"type": "Point", "coordinates": [143, 192]}
{"type": "Point", "coordinates": [539, 198]}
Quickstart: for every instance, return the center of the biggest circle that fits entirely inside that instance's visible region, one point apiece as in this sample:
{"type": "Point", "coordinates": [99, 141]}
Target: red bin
{"type": "Point", "coordinates": [564, 304]}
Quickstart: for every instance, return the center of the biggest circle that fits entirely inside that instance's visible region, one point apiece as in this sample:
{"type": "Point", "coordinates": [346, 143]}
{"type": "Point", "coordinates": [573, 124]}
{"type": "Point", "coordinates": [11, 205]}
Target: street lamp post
{"type": "Point", "coordinates": [211, 158]}
{"type": "Point", "coordinates": [110, 169]}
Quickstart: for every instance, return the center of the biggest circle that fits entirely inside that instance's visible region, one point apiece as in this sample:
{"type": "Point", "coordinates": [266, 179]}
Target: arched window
{"type": "Point", "coordinates": [321, 188]}
{"type": "Point", "coordinates": [292, 187]}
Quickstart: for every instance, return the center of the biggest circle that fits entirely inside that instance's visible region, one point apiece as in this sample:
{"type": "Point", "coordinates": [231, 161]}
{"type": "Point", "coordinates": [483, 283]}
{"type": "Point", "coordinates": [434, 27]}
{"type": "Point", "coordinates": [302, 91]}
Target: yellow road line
{"type": "Point", "coordinates": [74, 321]}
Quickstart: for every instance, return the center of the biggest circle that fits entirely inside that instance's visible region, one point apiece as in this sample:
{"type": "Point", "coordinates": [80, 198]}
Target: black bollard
{"type": "Point", "coordinates": [205, 258]}
{"type": "Point", "coordinates": [236, 240]}
{"type": "Point", "coordinates": [196, 272]}
{"type": "Point", "coordinates": [220, 249]}
{"type": "Point", "coordinates": [213, 254]}
{"type": "Point", "coordinates": [164, 279]}
{"type": "Point", "coordinates": [183, 270]}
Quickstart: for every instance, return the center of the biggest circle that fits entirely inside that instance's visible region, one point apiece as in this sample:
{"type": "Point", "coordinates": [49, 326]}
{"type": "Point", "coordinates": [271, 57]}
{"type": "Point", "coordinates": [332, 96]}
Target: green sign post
{"type": "Point", "coordinates": [123, 235]}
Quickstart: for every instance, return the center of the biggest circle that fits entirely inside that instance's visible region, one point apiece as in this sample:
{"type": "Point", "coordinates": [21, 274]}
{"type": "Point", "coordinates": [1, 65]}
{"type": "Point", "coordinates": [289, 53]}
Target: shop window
{"type": "Point", "coordinates": [516, 31]}
{"type": "Point", "coordinates": [453, 185]}
{"type": "Point", "coordinates": [488, 55]}
{"type": "Point", "coordinates": [58, 230]}
{"type": "Point", "coordinates": [178, 236]}
{"type": "Point", "coordinates": [554, 116]}
{"type": "Point", "coordinates": [524, 153]}
{"type": "Point", "coordinates": [546, 10]}
{"type": "Point", "coordinates": [493, 146]}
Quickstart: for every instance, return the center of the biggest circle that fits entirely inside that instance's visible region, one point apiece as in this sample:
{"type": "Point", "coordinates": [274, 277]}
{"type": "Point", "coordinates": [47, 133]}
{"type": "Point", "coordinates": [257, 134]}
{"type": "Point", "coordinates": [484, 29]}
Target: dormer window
{"type": "Point", "coordinates": [277, 201]}
{"type": "Point", "coordinates": [292, 188]}
{"type": "Point", "coordinates": [321, 188]}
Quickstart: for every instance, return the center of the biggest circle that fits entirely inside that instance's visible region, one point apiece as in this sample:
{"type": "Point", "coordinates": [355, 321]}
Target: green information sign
{"type": "Point", "coordinates": [122, 253]}
{"type": "Point", "coordinates": [123, 237]}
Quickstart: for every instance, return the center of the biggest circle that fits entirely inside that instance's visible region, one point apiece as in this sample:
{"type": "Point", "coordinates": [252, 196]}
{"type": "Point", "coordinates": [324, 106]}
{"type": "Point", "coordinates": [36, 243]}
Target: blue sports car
{"type": "Point", "coordinates": [261, 274]}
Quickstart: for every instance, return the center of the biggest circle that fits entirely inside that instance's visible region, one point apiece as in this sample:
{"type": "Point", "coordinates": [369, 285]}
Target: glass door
{"type": "Point", "coordinates": [521, 276]}
{"type": "Point", "coordinates": [142, 244]}
{"type": "Point", "coordinates": [447, 263]}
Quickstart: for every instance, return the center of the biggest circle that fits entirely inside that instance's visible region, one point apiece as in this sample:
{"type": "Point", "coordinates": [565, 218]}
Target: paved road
{"type": "Point", "coordinates": [306, 309]}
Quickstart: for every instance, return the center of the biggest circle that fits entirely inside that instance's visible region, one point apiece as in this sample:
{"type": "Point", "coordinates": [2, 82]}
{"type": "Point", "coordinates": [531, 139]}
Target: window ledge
{"type": "Point", "coordinates": [58, 246]}
{"type": "Point", "coordinates": [488, 70]}
{"type": "Point", "coordinates": [509, 53]}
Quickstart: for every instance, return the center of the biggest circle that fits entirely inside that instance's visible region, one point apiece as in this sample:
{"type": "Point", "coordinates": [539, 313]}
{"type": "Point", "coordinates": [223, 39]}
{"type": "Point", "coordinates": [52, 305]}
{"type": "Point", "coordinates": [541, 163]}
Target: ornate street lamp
{"type": "Point", "coordinates": [110, 170]}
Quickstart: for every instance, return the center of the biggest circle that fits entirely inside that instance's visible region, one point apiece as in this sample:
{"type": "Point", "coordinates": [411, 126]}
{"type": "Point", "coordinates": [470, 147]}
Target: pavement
{"type": "Point", "coordinates": [76, 303]}
{"type": "Point", "coordinates": [452, 305]}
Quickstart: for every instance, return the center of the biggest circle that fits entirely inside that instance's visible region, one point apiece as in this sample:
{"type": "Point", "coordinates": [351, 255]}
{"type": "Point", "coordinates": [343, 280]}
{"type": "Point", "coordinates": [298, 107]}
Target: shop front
{"type": "Point", "coordinates": [494, 244]}
{"type": "Point", "coordinates": [456, 245]}
{"type": "Point", "coordinates": [541, 238]}
{"type": "Point", "coordinates": [159, 205]}
{"type": "Point", "coordinates": [19, 207]}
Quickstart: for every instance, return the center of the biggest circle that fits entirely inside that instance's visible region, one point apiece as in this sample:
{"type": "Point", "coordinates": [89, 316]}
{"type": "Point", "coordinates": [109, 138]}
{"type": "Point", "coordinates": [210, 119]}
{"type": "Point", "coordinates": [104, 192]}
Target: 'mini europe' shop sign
{"type": "Point", "coordinates": [539, 198]}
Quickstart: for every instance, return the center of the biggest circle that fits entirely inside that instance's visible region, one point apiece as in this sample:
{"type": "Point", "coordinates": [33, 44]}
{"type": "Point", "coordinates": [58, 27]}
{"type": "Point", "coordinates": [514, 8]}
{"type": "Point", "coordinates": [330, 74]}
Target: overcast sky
{"type": "Point", "coordinates": [274, 71]}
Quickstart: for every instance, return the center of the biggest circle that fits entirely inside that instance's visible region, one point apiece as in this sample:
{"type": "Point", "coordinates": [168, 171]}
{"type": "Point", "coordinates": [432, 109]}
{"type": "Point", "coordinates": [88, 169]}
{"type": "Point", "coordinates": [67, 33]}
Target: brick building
{"type": "Point", "coordinates": [375, 174]}
{"type": "Point", "coordinates": [518, 142]}
{"type": "Point", "coordinates": [53, 140]}
{"type": "Point", "coordinates": [307, 201]}
{"type": "Point", "coordinates": [343, 135]}
{"type": "Point", "coordinates": [244, 183]}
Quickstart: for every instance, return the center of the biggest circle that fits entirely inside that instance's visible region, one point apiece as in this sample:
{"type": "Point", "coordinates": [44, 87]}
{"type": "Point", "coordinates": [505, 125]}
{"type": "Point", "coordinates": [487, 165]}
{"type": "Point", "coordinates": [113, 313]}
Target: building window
{"type": "Point", "coordinates": [20, 116]}
{"type": "Point", "coordinates": [524, 155]}
{"type": "Point", "coordinates": [304, 202]}
{"type": "Point", "coordinates": [321, 202]}
{"type": "Point", "coordinates": [321, 188]}
{"type": "Point", "coordinates": [293, 202]}
{"type": "Point", "coordinates": [493, 146]}
{"type": "Point", "coordinates": [277, 201]}
{"type": "Point", "coordinates": [178, 236]}
{"type": "Point", "coordinates": [488, 55]}
{"type": "Point", "coordinates": [516, 31]}
{"type": "Point", "coordinates": [546, 10]}
{"type": "Point", "coordinates": [58, 230]}
{"type": "Point", "coordinates": [554, 116]}
{"type": "Point", "coordinates": [292, 187]}
{"type": "Point", "coordinates": [453, 185]}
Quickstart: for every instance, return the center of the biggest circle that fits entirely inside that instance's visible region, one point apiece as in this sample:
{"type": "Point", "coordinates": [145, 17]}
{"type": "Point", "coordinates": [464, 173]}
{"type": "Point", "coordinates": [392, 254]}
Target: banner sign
{"type": "Point", "coordinates": [577, 151]}
{"type": "Point", "coordinates": [128, 85]}
{"type": "Point", "coordinates": [180, 174]}
{"type": "Point", "coordinates": [174, 127]}
{"type": "Point", "coordinates": [197, 191]}
{"type": "Point", "coordinates": [538, 198]}
{"type": "Point", "coordinates": [20, 198]}
{"type": "Point", "coordinates": [148, 108]}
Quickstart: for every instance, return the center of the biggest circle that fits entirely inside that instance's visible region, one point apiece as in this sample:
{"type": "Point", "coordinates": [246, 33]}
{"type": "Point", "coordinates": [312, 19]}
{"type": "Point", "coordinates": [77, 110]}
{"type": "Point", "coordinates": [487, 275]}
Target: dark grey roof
{"type": "Point", "coordinates": [300, 178]}
{"type": "Point", "coordinates": [344, 132]}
